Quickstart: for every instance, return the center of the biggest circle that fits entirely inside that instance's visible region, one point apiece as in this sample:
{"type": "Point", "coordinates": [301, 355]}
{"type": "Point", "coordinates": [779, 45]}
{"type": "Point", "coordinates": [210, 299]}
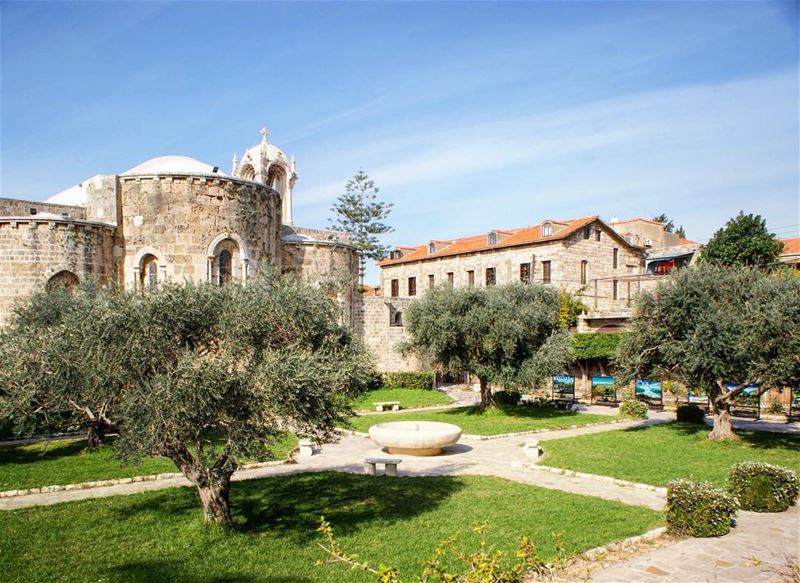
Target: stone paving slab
{"type": "Point", "coordinates": [758, 549]}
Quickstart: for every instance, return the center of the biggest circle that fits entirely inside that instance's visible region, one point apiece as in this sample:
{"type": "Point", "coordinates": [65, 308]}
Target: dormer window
{"type": "Point", "coordinates": [547, 229]}
{"type": "Point", "coordinates": [395, 254]}
{"type": "Point", "coordinates": [431, 248]}
{"type": "Point", "coordinates": [492, 238]}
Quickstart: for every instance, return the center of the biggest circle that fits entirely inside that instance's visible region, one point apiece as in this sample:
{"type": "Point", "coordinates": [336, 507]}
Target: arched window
{"type": "Point", "coordinates": [584, 272]}
{"type": "Point", "coordinates": [148, 271]}
{"type": "Point", "coordinates": [276, 179]}
{"type": "Point", "coordinates": [247, 172]}
{"type": "Point", "coordinates": [224, 267]}
{"type": "Point", "coordinates": [65, 279]}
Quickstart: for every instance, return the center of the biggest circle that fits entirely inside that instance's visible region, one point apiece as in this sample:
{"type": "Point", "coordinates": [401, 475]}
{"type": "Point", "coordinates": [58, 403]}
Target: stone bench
{"type": "Point", "coordinates": [307, 447]}
{"type": "Point", "coordinates": [382, 405]}
{"type": "Point", "coordinates": [389, 463]}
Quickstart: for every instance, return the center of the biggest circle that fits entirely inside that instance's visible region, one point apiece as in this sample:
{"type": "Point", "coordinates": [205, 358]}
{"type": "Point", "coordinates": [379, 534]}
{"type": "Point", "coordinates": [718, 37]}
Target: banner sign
{"type": "Point", "coordinates": [603, 389]}
{"type": "Point", "coordinates": [564, 387]}
{"type": "Point", "coordinates": [648, 389]}
{"type": "Point", "coordinates": [697, 396]}
{"type": "Point", "coordinates": [749, 397]}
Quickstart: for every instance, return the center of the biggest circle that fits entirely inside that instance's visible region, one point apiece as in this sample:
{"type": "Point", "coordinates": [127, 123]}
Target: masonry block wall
{"type": "Point", "coordinates": [374, 317]}
{"type": "Point", "coordinates": [565, 257]}
{"type": "Point", "coordinates": [178, 219]}
{"type": "Point", "coordinates": [32, 250]}
{"type": "Point", "coordinates": [11, 207]}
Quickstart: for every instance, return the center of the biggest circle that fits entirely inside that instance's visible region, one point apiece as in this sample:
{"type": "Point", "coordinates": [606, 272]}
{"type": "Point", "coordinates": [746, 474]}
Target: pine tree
{"type": "Point", "coordinates": [668, 223]}
{"type": "Point", "coordinates": [359, 214]}
{"type": "Point", "coordinates": [680, 232]}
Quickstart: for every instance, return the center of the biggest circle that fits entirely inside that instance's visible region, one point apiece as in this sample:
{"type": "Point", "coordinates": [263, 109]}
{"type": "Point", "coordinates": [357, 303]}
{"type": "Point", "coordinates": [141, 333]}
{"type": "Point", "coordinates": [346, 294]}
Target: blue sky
{"type": "Point", "coordinates": [470, 116]}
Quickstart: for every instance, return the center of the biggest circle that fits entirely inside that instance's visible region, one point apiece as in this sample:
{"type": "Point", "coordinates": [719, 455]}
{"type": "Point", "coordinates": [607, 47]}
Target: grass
{"type": "Point", "coordinates": [658, 454]}
{"type": "Point", "coordinates": [159, 536]}
{"type": "Point", "coordinates": [53, 463]}
{"type": "Point", "coordinates": [408, 398]}
{"type": "Point", "coordinates": [503, 419]}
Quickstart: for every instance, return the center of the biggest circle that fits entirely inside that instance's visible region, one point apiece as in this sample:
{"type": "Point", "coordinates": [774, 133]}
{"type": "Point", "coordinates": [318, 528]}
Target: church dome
{"type": "Point", "coordinates": [172, 165]}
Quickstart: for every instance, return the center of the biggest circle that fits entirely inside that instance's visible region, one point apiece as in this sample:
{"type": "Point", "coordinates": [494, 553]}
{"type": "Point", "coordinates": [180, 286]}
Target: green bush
{"type": "Point", "coordinates": [409, 380]}
{"type": "Point", "coordinates": [691, 414]}
{"type": "Point", "coordinates": [763, 487]}
{"type": "Point", "coordinates": [698, 509]}
{"type": "Point", "coordinates": [633, 408]}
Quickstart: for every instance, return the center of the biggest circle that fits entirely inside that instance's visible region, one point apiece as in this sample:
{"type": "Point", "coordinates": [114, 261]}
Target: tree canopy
{"type": "Point", "coordinates": [668, 223]}
{"type": "Point", "coordinates": [506, 335]}
{"type": "Point", "coordinates": [203, 375]}
{"type": "Point", "coordinates": [719, 329]}
{"type": "Point", "coordinates": [360, 215]}
{"type": "Point", "coordinates": [743, 241]}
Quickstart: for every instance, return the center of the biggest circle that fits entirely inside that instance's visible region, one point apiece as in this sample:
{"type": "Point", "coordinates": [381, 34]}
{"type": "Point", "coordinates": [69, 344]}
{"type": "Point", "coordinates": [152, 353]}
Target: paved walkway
{"type": "Point", "coordinates": [758, 549]}
{"type": "Point", "coordinates": [478, 457]}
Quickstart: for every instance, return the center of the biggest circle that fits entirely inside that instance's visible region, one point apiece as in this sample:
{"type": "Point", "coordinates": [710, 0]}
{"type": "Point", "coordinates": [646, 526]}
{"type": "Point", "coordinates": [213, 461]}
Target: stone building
{"type": "Point", "coordinates": [790, 253]}
{"type": "Point", "coordinates": [602, 264]}
{"type": "Point", "coordinates": [170, 218]}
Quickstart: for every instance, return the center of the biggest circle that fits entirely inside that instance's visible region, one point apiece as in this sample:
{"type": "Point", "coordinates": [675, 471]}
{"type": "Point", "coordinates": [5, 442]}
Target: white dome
{"type": "Point", "coordinates": [172, 165]}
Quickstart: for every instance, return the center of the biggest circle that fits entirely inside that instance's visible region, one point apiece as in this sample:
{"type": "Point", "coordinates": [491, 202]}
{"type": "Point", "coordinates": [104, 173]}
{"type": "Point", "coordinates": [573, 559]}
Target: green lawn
{"type": "Point", "coordinates": [53, 463]}
{"type": "Point", "coordinates": [408, 398]}
{"type": "Point", "coordinates": [658, 454]}
{"type": "Point", "coordinates": [504, 419]}
{"type": "Point", "coordinates": [159, 536]}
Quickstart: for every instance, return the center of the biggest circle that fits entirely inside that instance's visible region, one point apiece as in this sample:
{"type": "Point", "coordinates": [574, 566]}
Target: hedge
{"type": "Point", "coordinates": [690, 414]}
{"type": "Point", "coordinates": [698, 509]}
{"type": "Point", "coordinates": [409, 380]}
{"type": "Point", "coordinates": [763, 487]}
{"type": "Point", "coordinates": [587, 346]}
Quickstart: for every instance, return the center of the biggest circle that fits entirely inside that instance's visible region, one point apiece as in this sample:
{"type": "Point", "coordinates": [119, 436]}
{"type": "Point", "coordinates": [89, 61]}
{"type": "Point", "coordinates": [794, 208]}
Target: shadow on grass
{"type": "Point", "coordinates": [154, 571]}
{"type": "Point", "coordinates": [291, 506]}
{"type": "Point", "coordinates": [520, 411]}
{"type": "Point", "coordinates": [754, 439]}
{"type": "Point", "coordinates": [24, 454]}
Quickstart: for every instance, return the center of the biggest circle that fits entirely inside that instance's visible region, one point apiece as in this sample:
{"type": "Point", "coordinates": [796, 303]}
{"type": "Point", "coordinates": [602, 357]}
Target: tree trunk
{"type": "Point", "coordinates": [214, 498]}
{"type": "Point", "coordinates": [487, 399]}
{"type": "Point", "coordinates": [723, 429]}
{"type": "Point", "coordinates": [95, 436]}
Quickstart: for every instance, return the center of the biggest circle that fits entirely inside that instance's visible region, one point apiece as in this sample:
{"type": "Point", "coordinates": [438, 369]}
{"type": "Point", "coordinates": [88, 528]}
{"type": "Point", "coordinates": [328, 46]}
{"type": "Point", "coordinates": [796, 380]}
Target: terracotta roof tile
{"type": "Point", "coordinates": [790, 246]}
{"type": "Point", "coordinates": [474, 243]}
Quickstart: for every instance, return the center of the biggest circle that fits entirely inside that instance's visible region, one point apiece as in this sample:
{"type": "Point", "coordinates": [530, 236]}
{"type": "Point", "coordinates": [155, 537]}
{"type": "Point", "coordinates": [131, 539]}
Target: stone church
{"type": "Point", "coordinates": [171, 217]}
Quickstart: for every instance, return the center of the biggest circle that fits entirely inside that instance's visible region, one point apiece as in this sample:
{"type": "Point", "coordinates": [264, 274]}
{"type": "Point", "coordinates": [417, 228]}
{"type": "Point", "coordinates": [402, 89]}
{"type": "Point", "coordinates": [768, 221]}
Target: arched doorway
{"type": "Point", "coordinates": [227, 262]}
{"type": "Point", "coordinates": [63, 279]}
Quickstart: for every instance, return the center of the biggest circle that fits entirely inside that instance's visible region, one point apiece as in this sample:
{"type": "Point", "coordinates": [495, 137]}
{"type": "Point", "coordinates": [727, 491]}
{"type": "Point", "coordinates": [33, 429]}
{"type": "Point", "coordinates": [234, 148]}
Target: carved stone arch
{"type": "Point", "coordinates": [247, 172]}
{"type": "Point", "coordinates": [61, 278]}
{"type": "Point", "coordinates": [141, 266]}
{"type": "Point", "coordinates": [213, 254]}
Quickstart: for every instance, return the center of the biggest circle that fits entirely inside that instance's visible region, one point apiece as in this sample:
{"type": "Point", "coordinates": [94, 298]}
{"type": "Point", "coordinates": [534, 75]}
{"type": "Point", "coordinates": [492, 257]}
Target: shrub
{"type": "Point", "coordinates": [691, 414]}
{"type": "Point", "coordinates": [763, 487]}
{"type": "Point", "coordinates": [409, 380]}
{"type": "Point", "coordinates": [775, 408]}
{"type": "Point", "coordinates": [698, 509]}
{"type": "Point", "coordinates": [633, 408]}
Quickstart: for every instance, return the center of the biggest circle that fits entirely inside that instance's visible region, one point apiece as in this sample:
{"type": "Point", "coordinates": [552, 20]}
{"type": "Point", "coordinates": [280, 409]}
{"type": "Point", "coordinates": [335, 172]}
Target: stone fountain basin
{"type": "Point", "coordinates": [415, 437]}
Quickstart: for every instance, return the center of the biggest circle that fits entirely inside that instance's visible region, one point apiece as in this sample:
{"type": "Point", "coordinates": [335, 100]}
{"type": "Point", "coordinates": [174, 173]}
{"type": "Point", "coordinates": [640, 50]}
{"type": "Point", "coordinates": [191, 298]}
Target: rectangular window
{"type": "Point", "coordinates": [431, 280]}
{"type": "Point", "coordinates": [395, 288]}
{"type": "Point", "coordinates": [545, 271]}
{"type": "Point", "coordinates": [597, 235]}
{"type": "Point", "coordinates": [587, 232]}
{"type": "Point", "coordinates": [525, 272]}
{"type": "Point", "coordinates": [450, 278]}
{"type": "Point", "coordinates": [491, 276]}
{"type": "Point", "coordinates": [412, 286]}
{"type": "Point", "coordinates": [471, 278]}
{"type": "Point", "coordinates": [615, 289]}
{"type": "Point", "coordinates": [616, 257]}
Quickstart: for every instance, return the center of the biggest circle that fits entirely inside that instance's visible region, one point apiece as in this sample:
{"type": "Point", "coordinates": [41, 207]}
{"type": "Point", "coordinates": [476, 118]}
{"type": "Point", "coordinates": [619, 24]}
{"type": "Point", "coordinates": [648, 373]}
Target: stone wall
{"type": "Point", "coordinates": [320, 262]}
{"type": "Point", "coordinates": [373, 316]}
{"type": "Point", "coordinates": [12, 207]}
{"type": "Point", "coordinates": [181, 220]}
{"type": "Point", "coordinates": [565, 258]}
{"type": "Point", "coordinates": [32, 250]}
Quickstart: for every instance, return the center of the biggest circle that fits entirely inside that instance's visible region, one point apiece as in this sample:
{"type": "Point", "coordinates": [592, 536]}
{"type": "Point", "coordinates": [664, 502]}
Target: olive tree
{"type": "Point", "coordinates": [207, 376]}
{"type": "Point", "coordinates": [721, 329]}
{"type": "Point", "coordinates": [505, 335]}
